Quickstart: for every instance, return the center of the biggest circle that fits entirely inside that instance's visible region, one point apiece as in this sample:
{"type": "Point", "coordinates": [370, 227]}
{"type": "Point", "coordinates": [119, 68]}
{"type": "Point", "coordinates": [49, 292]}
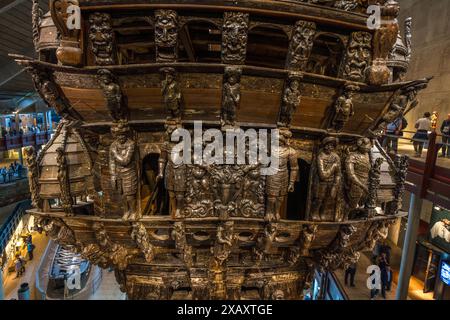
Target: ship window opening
{"type": "Point", "coordinates": [135, 40]}
{"type": "Point", "coordinates": [296, 201]}
{"type": "Point", "coordinates": [199, 41]}
{"type": "Point", "coordinates": [154, 199]}
{"type": "Point", "coordinates": [326, 55]}
{"type": "Point", "coordinates": [267, 46]}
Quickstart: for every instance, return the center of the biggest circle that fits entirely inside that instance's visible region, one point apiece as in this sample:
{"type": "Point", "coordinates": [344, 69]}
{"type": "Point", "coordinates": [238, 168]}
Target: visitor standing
{"type": "Point", "coordinates": [423, 125]}
{"type": "Point", "coordinates": [445, 131]}
{"type": "Point", "coordinates": [3, 173]}
{"type": "Point", "coordinates": [30, 249]}
{"type": "Point", "coordinates": [393, 132]}
{"type": "Point", "coordinates": [383, 265]}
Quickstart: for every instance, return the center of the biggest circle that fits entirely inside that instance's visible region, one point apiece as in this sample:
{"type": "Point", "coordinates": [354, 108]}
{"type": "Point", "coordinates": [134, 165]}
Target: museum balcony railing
{"type": "Point", "coordinates": [10, 142]}
{"type": "Point", "coordinates": [428, 175]}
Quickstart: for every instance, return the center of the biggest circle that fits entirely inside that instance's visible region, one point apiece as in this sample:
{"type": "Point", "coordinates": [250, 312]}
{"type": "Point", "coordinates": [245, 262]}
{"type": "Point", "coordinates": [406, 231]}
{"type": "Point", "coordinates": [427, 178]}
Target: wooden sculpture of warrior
{"type": "Point", "coordinates": [174, 174]}
{"type": "Point", "coordinates": [123, 167]}
{"type": "Point", "coordinates": [344, 107]}
{"type": "Point", "coordinates": [357, 167]}
{"type": "Point", "coordinates": [326, 181]}
{"type": "Point", "coordinates": [282, 181]}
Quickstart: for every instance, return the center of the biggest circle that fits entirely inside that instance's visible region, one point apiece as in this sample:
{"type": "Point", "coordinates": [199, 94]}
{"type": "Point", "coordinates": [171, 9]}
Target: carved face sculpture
{"type": "Point", "coordinates": [358, 56]}
{"type": "Point", "coordinates": [329, 147]}
{"type": "Point", "coordinates": [166, 32]}
{"type": "Point", "coordinates": [364, 145]}
{"type": "Point", "coordinates": [234, 36]}
{"type": "Point", "coordinates": [101, 37]}
{"type": "Point", "coordinates": [303, 40]}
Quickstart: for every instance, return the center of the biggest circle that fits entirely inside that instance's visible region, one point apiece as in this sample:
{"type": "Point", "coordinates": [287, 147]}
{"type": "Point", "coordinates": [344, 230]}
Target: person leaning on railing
{"type": "Point", "coordinates": [445, 130]}
{"type": "Point", "coordinates": [423, 126]}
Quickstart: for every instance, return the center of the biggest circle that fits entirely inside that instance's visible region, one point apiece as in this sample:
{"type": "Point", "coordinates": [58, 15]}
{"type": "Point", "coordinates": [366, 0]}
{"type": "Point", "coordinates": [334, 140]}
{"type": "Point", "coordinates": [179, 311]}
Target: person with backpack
{"type": "Point", "coordinates": [394, 130]}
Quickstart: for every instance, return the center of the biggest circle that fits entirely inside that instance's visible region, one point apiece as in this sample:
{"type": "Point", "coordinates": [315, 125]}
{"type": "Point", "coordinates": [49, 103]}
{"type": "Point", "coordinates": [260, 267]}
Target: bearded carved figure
{"type": "Point", "coordinates": [343, 108]}
{"type": "Point", "coordinates": [101, 36]}
{"type": "Point", "coordinates": [357, 167]}
{"type": "Point", "coordinates": [123, 169]}
{"type": "Point", "coordinates": [301, 45]}
{"type": "Point", "coordinates": [234, 37]}
{"type": "Point", "coordinates": [173, 171]}
{"type": "Point", "coordinates": [112, 93]}
{"type": "Point", "coordinates": [166, 35]}
{"type": "Point", "coordinates": [327, 181]}
{"type": "Point", "coordinates": [279, 184]}
{"type": "Point", "coordinates": [358, 56]}
{"type": "Point", "coordinates": [231, 95]}
{"type": "Point", "coordinates": [291, 100]}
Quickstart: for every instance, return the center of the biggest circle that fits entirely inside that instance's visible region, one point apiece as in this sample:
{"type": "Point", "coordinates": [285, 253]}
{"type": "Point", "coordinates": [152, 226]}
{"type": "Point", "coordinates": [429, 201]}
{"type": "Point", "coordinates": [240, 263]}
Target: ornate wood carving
{"type": "Point", "coordinates": [343, 108]}
{"type": "Point", "coordinates": [166, 35]}
{"type": "Point", "coordinates": [234, 37]}
{"type": "Point", "coordinates": [64, 185]}
{"type": "Point", "coordinates": [171, 92]}
{"type": "Point", "coordinates": [140, 236]}
{"type": "Point", "coordinates": [358, 56]}
{"type": "Point", "coordinates": [69, 52]}
{"type": "Point", "coordinates": [291, 99]}
{"type": "Point", "coordinates": [113, 94]}
{"type": "Point", "coordinates": [231, 95]}
{"type": "Point", "coordinates": [374, 184]}
{"type": "Point", "coordinates": [33, 176]}
{"type": "Point", "coordinates": [101, 37]}
{"type": "Point", "coordinates": [301, 45]}
{"type": "Point", "coordinates": [123, 168]}
{"type": "Point", "coordinates": [326, 183]}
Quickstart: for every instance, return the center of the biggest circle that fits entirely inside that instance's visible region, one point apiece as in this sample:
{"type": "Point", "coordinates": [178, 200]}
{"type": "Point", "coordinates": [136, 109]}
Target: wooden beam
{"type": "Point", "coordinates": [10, 6]}
{"type": "Point", "coordinates": [187, 43]}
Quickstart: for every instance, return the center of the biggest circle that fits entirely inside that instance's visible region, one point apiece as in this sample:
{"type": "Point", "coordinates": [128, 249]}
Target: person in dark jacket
{"type": "Point", "coordinates": [350, 273]}
{"type": "Point", "coordinates": [423, 126]}
{"type": "Point", "coordinates": [445, 131]}
{"type": "Point", "coordinates": [384, 276]}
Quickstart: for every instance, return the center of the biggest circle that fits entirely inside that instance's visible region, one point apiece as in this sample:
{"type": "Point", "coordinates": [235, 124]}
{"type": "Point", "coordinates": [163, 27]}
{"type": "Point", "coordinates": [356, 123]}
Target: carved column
{"type": "Point", "coordinates": [301, 45]}
{"type": "Point", "coordinates": [69, 51]}
{"type": "Point", "coordinates": [166, 35]}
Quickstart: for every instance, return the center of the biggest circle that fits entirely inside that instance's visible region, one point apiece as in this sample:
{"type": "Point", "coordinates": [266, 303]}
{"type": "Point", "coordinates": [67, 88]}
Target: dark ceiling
{"type": "Point", "coordinates": [15, 37]}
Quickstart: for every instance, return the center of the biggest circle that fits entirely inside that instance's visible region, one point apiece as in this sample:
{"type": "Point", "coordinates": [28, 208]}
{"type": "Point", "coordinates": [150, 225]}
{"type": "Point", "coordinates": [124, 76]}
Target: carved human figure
{"type": "Point", "coordinates": [224, 242]}
{"type": "Point", "coordinates": [343, 108]}
{"type": "Point", "coordinates": [327, 181]}
{"type": "Point", "coordinates": [291, 100]}
{"type": "Point", "coordinates": [33, 176]}
{"type": "Point", "coordinates": [64, 183]}
{"type": "Point", "coordinates": [234, 37]}
{"type": "Point", "coordinates": [101, 36]}
{"type": "Point", "coordinates": [173, 171]}
{"type": "Point", "coordinates": [358, 56]}
{"type": "Point", "coordinates": [141, 237]}
{"type": "Point", "coordinates": [112, 93]}
{"type": "Point", "coordinates": [171, 93]}
{"type": "Point", "coordinates": [357, 167]}
{"type": "Point", "coordinates": [301, 45]}
{"type": "Point", "coordinates": [231, 96]}
{"type": "Point", "coordinates": [279, 184]}
{"type": "Point", "coordinates": [166, 35]}
{"type": "Point", "coordinates": [122, 167]}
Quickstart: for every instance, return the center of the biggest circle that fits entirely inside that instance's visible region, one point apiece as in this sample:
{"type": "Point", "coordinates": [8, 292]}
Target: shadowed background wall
{"type": "Point", "coordinates": [431, 54]}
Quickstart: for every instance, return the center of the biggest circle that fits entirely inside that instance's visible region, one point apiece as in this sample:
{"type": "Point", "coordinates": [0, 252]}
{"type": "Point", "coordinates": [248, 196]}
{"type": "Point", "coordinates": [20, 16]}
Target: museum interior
{"type": "Point", "coordinates": [225, 150]}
